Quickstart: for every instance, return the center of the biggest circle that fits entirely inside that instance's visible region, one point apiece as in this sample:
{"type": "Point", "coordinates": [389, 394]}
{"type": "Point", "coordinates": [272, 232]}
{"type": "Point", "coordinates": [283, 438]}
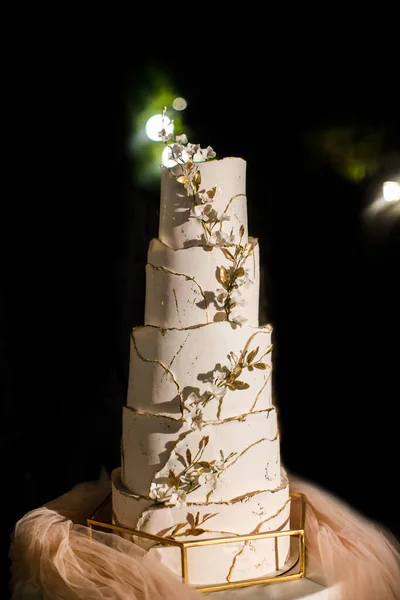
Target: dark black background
{"type": "Point", "coordinates": [76, 230]}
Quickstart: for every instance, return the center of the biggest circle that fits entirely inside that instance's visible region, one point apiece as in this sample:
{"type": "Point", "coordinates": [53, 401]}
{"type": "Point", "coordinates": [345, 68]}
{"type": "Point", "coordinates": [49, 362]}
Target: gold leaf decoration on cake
{"type": "Point", "coordinates": [211, 193]}
{"type": "Point", "coordinates": [236, 372]}
{"type": "Point", "coordinates": [227, 254]}
{"type": "Point", "coordinates": [196, 181]}
{"type": "Point", "coordinates": [189, 164]}
{"type": "Point", "coordinates": [177, 528]}
{"type": "Point", "coordinates": [237, 385]}
{"type": "Point", "coordinates": [196, 532]}
{"type": "Point", "coordinates": [188, 456]}
{"type": "Point", "coordinates": [204, 441]}
{"type": "Point", "coordinates": [223, 274]}
{"type": "Point", "coordinates": [227, 377]}
{"type": "Point", "coordinates": [235, 280]}
{"type": "Point", "coordinates": [192, 525]}
{"type": "Point", "coordinates": [253, 354]}
{"type": "Point", "coordinates": [173, 480]}
{"type": "Point", "coordinates": [194, 474]}
{"type": "Point", "coordinates": [203, 464]}
{"type": "Point", "coordinates": [183, 179]}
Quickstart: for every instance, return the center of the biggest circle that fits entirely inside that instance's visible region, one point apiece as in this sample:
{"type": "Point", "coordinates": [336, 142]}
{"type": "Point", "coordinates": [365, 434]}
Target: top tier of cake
{"type": "Point", "coordinates": [180, 225]}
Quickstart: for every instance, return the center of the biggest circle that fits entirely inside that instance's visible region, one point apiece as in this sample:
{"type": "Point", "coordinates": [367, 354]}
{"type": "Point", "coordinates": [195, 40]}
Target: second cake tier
{"type": "Point", "coordinates": [193, 286]}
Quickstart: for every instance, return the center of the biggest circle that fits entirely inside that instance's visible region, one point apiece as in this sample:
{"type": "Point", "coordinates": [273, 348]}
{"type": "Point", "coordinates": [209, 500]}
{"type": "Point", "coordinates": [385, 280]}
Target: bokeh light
{"type": "Point", "coordinates": [391, 191]}
{"type": "Point", "coordinates": [179, 104]}
{"type": "Point", "coordinates": [155, 124]}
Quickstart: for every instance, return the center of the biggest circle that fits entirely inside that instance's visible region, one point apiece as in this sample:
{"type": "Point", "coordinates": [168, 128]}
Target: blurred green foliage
{"type": "Point", "coordinates": [156, 91]}
{"type": "Point", "coordinates": [354, 152]}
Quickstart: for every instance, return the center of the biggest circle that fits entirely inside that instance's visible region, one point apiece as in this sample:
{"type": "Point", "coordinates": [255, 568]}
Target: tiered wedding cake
{"type": "Point", "coordinates": [200, 444]}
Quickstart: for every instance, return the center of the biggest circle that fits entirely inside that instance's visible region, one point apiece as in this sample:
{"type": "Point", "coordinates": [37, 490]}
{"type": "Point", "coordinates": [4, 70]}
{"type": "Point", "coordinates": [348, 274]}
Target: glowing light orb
{"type": "Point", "coordinates": [179, 104]}
{"type": "Point", "coordinates": [155, 124]}
{"type": "Point", "coordinates": [391, 191]}
{"type": "Point", "coordinates": [169, 162]}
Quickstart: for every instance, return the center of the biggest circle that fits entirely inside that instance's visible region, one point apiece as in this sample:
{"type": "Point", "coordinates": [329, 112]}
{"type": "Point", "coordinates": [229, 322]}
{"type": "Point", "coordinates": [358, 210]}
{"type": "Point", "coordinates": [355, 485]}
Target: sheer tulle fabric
{"type": "Point", "coordinates": [52, 548]}
{"type": "Point", "coordinates": [342, 546]}
{"type": "Point", "coordinates": [60, 557]}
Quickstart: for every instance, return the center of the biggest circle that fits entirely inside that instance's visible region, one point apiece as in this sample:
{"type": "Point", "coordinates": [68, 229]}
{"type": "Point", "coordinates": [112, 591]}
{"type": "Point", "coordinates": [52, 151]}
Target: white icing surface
{"type": "Point", "coordinates": [261, 512]}
{"type": "Point", "coordinates": [154, 445]}
{"type": "Point", "coordinates": [167, 365]}
{"type": "Point", "coordinates": [176, 229]}
{"type": "Point", "coordinates": [181, 286]}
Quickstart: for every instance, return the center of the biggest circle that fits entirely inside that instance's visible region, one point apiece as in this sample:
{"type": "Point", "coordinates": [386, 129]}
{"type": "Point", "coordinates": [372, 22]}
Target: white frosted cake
{"type": "Point", "coordinates": [200, 444]}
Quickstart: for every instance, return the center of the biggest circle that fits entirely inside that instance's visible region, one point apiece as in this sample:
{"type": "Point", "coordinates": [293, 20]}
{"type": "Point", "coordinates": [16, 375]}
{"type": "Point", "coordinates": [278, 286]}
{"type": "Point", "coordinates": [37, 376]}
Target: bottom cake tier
{"type": "Point", "coordinates": [259, 512]}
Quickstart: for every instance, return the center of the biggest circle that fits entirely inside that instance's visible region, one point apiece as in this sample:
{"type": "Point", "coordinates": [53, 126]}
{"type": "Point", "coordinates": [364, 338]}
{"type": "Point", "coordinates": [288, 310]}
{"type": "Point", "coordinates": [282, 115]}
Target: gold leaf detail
{"type": "Point", "coordinates": [177, 528]}
{"type": "Point", "coordinates": [249, 247]}
{"type": "Point", "coordinates": [196, 532]}
{"type": "Point", "coordinates": [252, 355]}
{"type": "Point", "coordinates": [197, 179]}
{"type": "Point", "coordinates": [237, 385]}
{"type": "Point", "coordinates": [183, 179]}
{"type": "Point", "coordinates": [189, 164]}
{"type": "Point", "coordinates": [239, 272]}
{"type": "Point", "coordinates": [235, 373]}
{"type": "Point", "coordinates": [227, 254]}
{"type": "Point", "coordinates": [197, 519]}
{"type": "Point", "coordinates": [261, 366]}
{"type": "Point", "coordinates": [173, 480]}
{"type": "Point", "coordinates": [208, 516]}
{"type": "Point", "coordinates": [204, 464]}
{"type": "Point", "coordinates": [204, 441]}
{"type": "Point", "coordinates": [223, 275]}
{"type": "Point", "coordinates": [188, 456]}
{"type": "Point", "coordinates": [241, 231]}
{"type": "Point", "coordinates": [211, 193]}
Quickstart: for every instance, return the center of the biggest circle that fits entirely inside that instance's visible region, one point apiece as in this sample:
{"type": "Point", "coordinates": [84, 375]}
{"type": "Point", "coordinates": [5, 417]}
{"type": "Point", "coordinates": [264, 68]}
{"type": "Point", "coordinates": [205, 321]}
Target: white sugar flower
{"type": "Point", "coordinates": [219, 376]}
{"type": "Point", "coordinates": [219, 465]}
{"type": "Point", "coordinates": [193, 414]}
{"type": "Point", "coordinates": [193, 398]}
{"type": "Point", "coordinates": [203, 154]}
{"type": "Point", "coordinates": [159, 491]}
{"type": "Point", "coordinates": [181, 139]}
{"type": "Point", "coordinates": [178, 499]}
{"type": "Point", "coordinates": [197, 420]}
{"type": "Point", "coordinates": [209, 480]}
{"type": "Point", "coordinates": [205, 197]}
{"type": "Point", "coordinates": [203, 212]}
{"type": "Point", "coordinates": [237, 298]}
{"type": "Point", "coordinates": [245, 282]}
{"type": "Point", "coordinates": [192, 148]}
{"type": "Point", "coordinates": [162, 134]}
{"type": "Point", "coordinates": [236, 317]}
{"type": "Point", "coordinates": [176, 151]}
{"type": "Point", "coordinates": [219, 238]}
{"type": "Point", "coordinates": [217, 390]}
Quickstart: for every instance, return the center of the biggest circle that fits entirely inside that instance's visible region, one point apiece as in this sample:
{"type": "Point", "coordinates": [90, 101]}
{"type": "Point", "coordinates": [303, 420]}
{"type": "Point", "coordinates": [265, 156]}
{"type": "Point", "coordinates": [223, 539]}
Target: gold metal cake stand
{"type": "Point", "coordinates": [101, 519]}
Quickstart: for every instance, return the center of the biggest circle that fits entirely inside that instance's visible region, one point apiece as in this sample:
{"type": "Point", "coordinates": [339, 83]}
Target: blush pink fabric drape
{"type": "Point", "coordinates": [52, 549]}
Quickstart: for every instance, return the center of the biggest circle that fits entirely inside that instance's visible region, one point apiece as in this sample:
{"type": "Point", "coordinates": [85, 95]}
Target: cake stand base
{"type": "Point", "coordinates": [301, 589]}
